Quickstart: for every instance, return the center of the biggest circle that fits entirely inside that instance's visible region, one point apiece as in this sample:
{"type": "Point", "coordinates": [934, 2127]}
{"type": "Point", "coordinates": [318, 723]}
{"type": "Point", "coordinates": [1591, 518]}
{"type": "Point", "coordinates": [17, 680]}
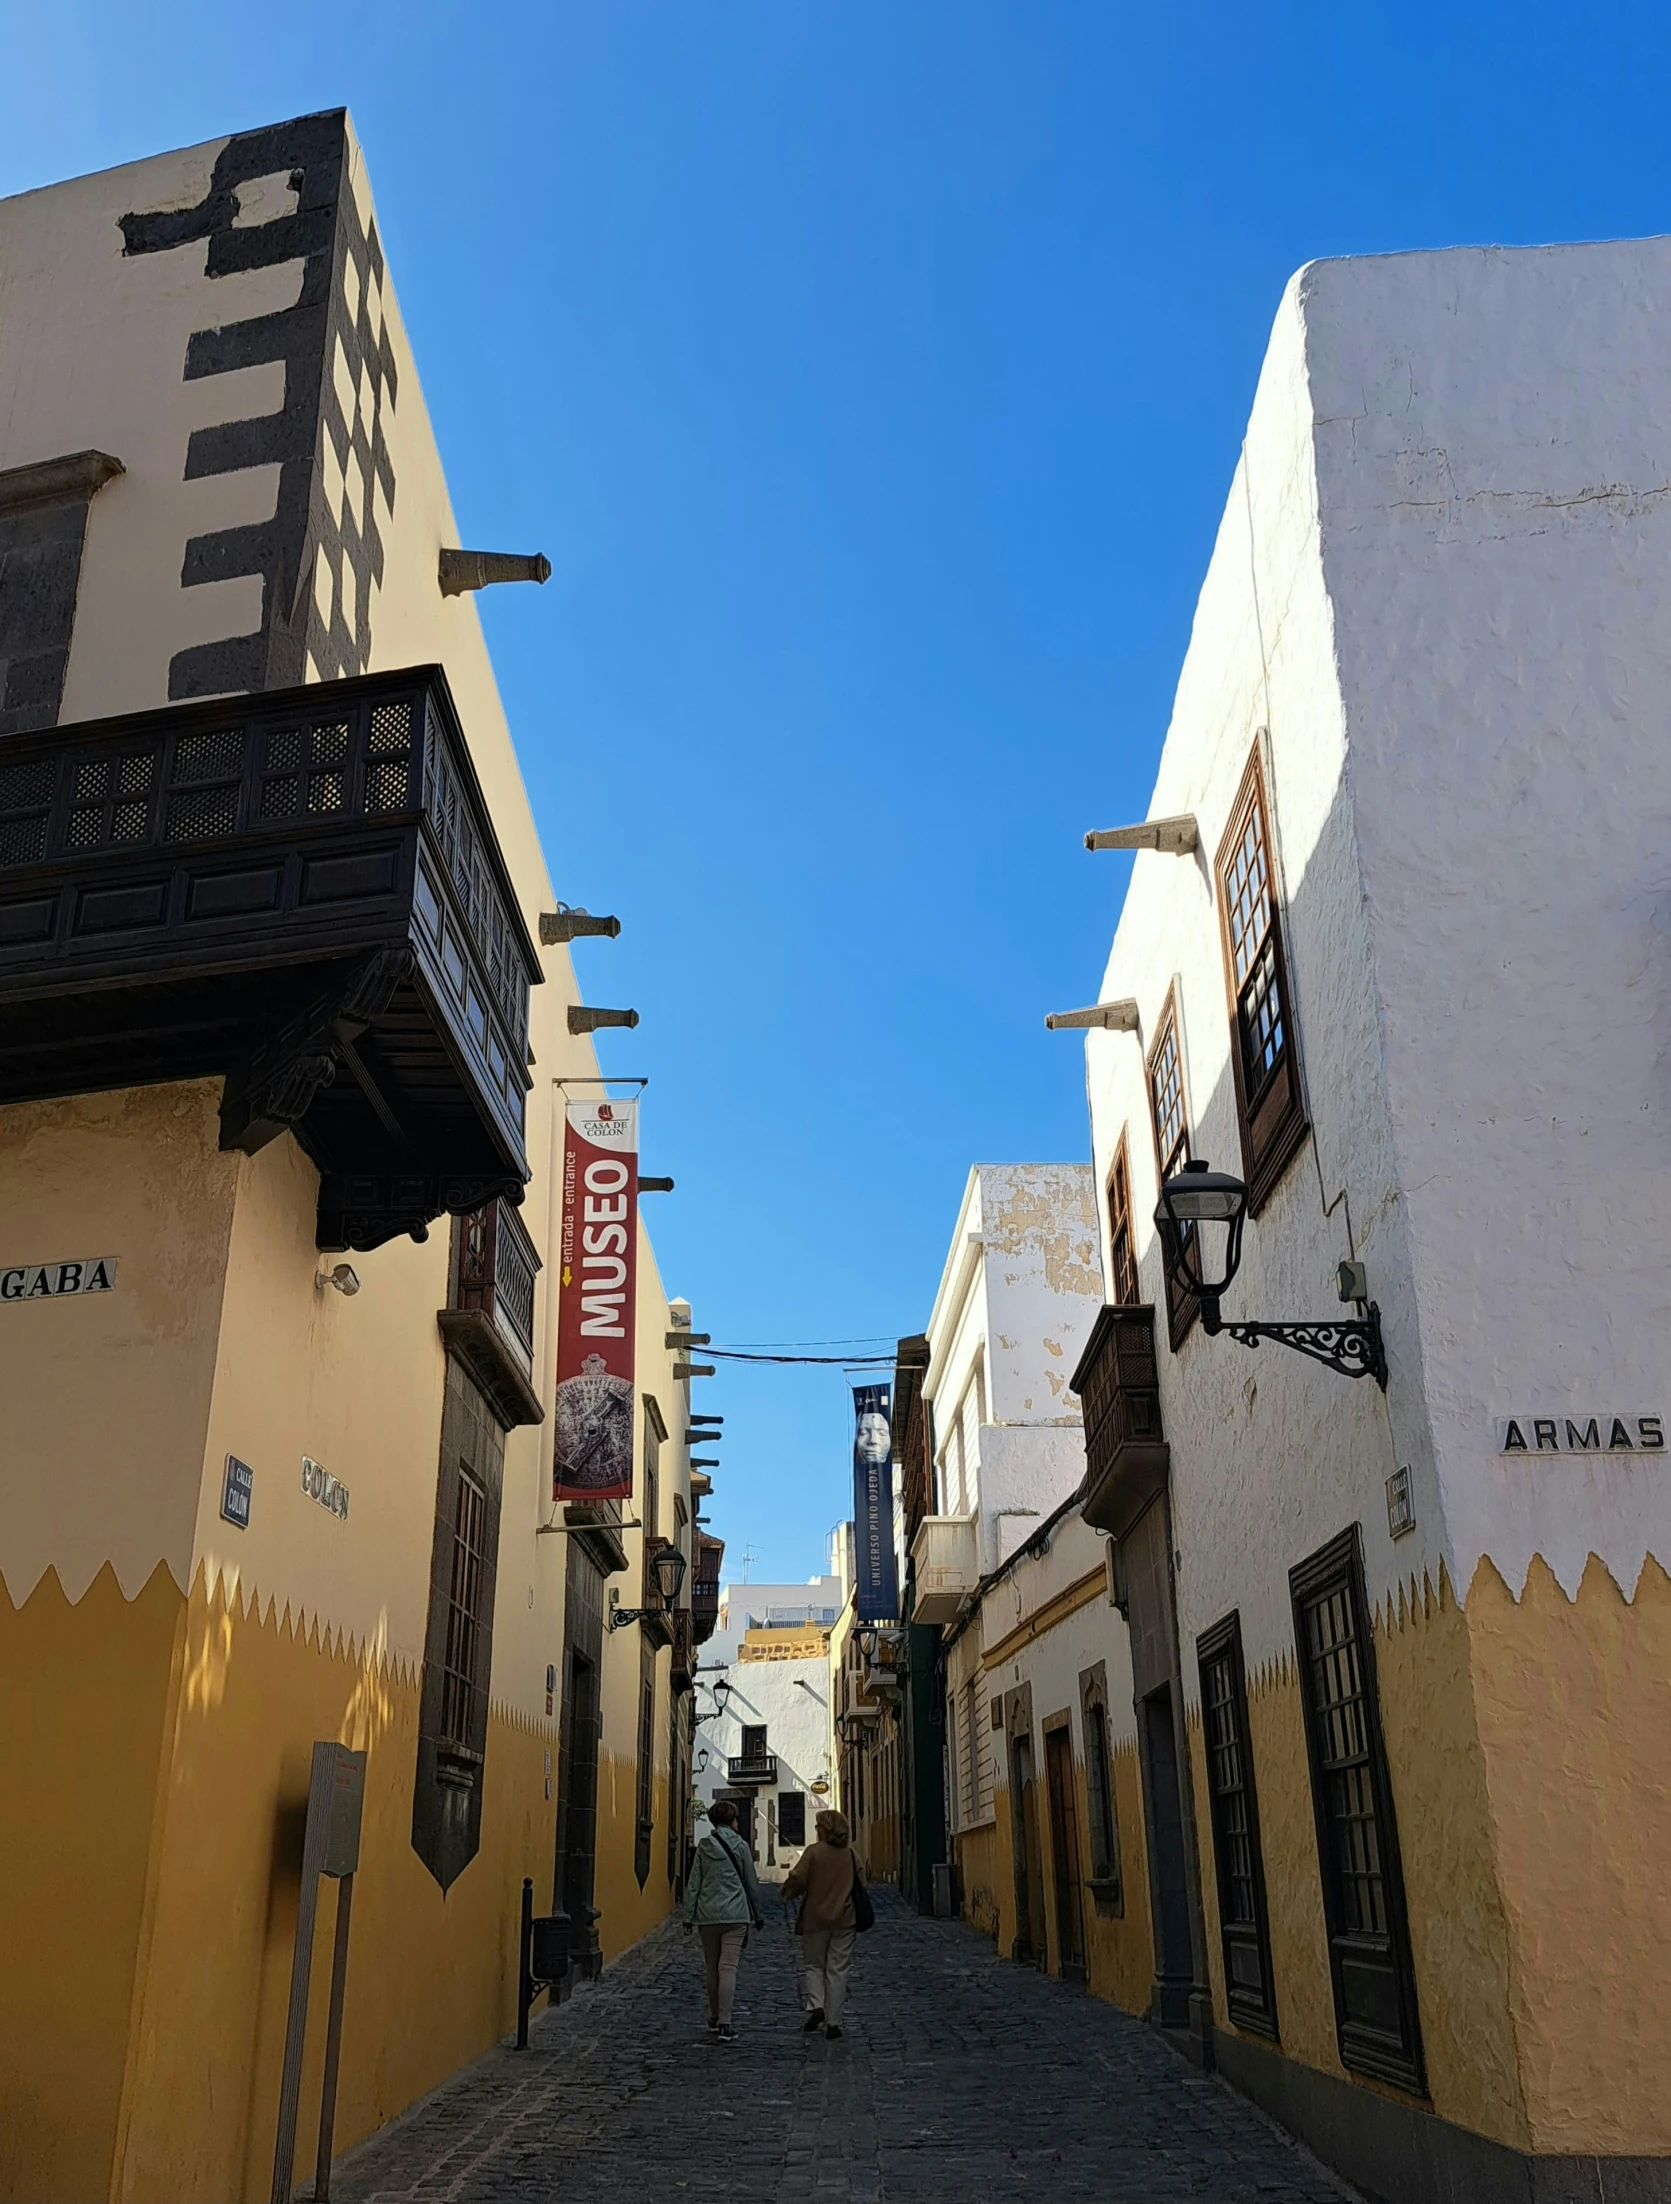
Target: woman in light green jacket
{"type": "Point", "coordinates": [722, 1900]}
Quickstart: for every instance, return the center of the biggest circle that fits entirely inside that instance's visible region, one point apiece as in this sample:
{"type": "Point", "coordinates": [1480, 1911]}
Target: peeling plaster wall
{"type": "Point", "coordinates": [1017, 1299]}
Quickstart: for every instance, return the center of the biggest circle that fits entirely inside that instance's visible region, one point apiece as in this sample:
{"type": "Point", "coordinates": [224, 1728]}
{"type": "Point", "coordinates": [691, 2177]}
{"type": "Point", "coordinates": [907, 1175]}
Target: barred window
{"type": "Point", "coordinates": [1122, 1257]}
{"type": "Point", "coordinates": [1106, 1883]}
{"type": "Point", "coordinates": [974, 1760]}
{"type": "Point", "coordinates": [464, 1610]}
{"type": "Point", "coordinates": [458, 1631]}
{"type": "Point", "coordinates": [1266, 1069]}
{"type": "Point", "coordinates": [1363, 1891]}
{"type": "Point", "coordinates": [1243, 1927]}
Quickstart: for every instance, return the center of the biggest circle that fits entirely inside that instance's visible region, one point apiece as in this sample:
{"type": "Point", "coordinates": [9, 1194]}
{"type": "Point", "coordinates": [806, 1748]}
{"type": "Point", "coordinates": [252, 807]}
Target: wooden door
{"type": "Point", "coordinates": [1031, 1941]}
{"type": "Point", "coordinates": [1064, 1854]}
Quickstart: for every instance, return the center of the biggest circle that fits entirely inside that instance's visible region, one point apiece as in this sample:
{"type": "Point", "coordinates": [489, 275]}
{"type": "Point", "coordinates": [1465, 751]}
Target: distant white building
{"type": "Point", "coordinates": [1020, 1290]}
{"type": "Point", "coordinates": [763, 1734]}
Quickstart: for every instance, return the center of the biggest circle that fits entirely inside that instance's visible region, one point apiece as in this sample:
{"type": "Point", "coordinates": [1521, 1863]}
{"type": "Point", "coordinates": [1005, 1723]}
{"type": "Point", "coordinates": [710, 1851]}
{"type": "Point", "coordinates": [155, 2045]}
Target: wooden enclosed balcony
{"type": "Point", "coordinates": [946, 1553]}
{"type": "Point", "coordinates": [300, 893]}
{"type": "Point", "coordinates": [1127, 1459]}
{"type": "Point", "coordinates": [488, 1322]}
{"type": "Point", "coordinates": [684, 1649]}
{"type": "Point", "coordinates": [704, 1596]}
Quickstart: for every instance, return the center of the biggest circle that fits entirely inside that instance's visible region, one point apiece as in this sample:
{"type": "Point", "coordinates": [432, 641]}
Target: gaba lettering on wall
{"type": "Point", "coordinates": [54, 1281]}
{"type": "Point", "coordinates": [1583, 1434]}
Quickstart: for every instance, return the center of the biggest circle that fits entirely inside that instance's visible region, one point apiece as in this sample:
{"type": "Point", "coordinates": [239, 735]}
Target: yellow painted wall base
{"type": "Point", "coordinates": [149, 1907]}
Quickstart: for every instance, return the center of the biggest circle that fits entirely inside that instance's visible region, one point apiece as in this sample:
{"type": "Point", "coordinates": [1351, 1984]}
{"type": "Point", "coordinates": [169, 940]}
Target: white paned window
{"type": "Point", "coordinates": [974, 1758]}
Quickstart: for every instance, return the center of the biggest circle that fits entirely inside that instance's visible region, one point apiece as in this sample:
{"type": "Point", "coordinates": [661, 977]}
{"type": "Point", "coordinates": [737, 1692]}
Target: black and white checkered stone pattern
{"type": "Point", "coordinates": [960, 2080]}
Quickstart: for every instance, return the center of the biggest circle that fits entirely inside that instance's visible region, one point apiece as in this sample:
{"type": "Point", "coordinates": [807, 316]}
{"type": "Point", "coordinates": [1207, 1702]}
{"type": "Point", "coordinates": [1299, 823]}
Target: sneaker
{"type": "Point", "coordinates": [727, 2034]}
{"type": "Point", "coordinates": [832, 2034]}
{"type": "Point", "coordinates": [713, 2028]}
{"type": "Point", "coordinates": [815, 2020]}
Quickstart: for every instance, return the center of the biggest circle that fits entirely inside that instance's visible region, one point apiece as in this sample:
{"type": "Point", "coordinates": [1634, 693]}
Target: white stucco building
{"type": "Point", "coordinates": [1017, 1298]}
{"type": "Point", "coordinates": [1400, 1692]}
{"type": "Point", "coordinates": [762, 1714]}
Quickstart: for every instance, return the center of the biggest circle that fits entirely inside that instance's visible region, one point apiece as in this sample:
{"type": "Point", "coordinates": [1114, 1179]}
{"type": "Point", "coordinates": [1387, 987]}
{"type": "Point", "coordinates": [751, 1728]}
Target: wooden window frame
{"type": "Point", "coordinates": [1117, 1204]}
{"type": "Point", "coordinates": [1271, 1118]}
{"type": "Point", "coordinates": [1251, 2006]}
{"type": "Point", "coordinates": [1388, 2055]}
{"type": "Point", "coordinates": [457, 1666]}
{"type": "Point", "coordinates": [461, 1653]}
{"type": "Point", "coordinates": [796, 1799]}
{"type": "Point", "coordinates": [645, 1821]}
{"type": "Point", "coordinates": [1182, 1308]}
{"type": "Point", "coordinates": [1106, 1882]}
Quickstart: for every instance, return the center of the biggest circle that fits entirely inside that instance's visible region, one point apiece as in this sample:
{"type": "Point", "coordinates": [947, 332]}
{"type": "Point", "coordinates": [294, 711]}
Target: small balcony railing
{"type": "Point", "coordinates": [753, 1768]}
{"type": "Point", "coordinates": [299, 892]}
{"type": "Point", "coordinates": [946, 1561]}
{"type": "Point", "coordinates": [1127, 1459]}
{"type": "Point", "coordinates": [489, 1319]}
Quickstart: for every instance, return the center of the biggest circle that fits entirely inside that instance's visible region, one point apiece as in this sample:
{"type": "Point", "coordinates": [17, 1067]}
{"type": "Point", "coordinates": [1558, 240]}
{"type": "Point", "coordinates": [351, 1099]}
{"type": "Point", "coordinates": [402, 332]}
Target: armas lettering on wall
{"type": "Point", "coordinates": [54, 1281]}
{"type": "Point", "coordinates": [1583, 1435]}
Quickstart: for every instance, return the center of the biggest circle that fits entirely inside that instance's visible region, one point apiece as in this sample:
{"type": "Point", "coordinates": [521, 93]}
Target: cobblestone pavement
{"type": "Point", "coordinates": [960, 2079]}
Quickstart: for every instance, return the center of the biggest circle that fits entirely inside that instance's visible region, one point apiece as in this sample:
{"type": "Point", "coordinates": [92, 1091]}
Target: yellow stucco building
{"type": "Point", "coordinates": [282, 1075]}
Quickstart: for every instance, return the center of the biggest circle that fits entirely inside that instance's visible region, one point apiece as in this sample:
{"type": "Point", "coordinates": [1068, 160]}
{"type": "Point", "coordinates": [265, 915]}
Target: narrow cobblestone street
{"type": "Point", "coordinates": [959, 2078]}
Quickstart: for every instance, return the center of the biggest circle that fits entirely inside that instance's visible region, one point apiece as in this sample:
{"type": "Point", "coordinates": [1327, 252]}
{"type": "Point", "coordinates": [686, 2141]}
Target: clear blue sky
{"type": "Point", "coordinates": [872, 372]}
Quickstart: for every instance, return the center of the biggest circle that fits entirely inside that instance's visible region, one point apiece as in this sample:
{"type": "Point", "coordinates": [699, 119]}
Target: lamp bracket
{"type": "Point", "coordinates": [1352, 1345]}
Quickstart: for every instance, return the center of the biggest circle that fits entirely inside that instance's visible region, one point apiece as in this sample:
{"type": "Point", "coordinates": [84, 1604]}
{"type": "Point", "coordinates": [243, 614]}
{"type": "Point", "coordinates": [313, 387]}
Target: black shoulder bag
{"type": "Point", "coordinates": [864, 1913]}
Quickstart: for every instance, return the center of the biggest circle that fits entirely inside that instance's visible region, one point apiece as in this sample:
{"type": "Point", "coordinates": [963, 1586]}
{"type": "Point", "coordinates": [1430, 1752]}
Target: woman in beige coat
{"type": "Point", "coordinates": [822, 1878]}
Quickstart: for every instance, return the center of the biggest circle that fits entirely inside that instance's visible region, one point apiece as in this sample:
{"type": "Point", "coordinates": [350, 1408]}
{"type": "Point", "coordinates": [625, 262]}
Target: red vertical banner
{"type": "Point", "coordinates": [598, 1265]}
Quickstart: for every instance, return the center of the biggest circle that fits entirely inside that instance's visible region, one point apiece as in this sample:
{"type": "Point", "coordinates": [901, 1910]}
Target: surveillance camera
{"type": "Point", "coordinates": [345, 1278]}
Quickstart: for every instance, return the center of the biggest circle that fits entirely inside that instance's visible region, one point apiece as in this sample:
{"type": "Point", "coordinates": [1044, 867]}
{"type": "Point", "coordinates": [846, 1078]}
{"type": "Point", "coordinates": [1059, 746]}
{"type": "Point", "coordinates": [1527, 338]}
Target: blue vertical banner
{"type": "Point", "coordinates": [873, 1504]}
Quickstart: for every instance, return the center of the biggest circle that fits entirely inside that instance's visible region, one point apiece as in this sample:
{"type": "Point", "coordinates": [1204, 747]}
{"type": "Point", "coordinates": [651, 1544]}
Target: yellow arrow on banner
{"type": "Point", "coordinates": [568, 1275]}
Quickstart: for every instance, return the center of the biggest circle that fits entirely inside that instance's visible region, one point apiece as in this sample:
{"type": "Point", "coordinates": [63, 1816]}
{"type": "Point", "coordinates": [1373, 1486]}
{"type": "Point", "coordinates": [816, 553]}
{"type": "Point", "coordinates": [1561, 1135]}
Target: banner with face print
{"type": "Point", "coordinates": [873, 1504]}
{"type": "Point", "coordinates": [597, 1251]}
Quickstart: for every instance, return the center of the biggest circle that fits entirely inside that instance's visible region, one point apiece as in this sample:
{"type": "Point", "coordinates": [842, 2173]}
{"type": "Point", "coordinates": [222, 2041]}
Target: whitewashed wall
{"type": "Point", "coordinates": [792, 1698]}
{"type": "Point", "coordinates": [1431, 589]}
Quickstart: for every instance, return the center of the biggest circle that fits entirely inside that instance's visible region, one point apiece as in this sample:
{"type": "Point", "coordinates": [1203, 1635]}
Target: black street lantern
{"type": "Point", "coordinates": [668, 1569]}
{"type": "Point", "coordinates": [867, 1636]}
{"type": "Point", "coordinates": [667, 1566]}
{"type": "Point", "coordinates": [722, 1692]}
{"type": "Point", "coordinates": [1200, 1216]}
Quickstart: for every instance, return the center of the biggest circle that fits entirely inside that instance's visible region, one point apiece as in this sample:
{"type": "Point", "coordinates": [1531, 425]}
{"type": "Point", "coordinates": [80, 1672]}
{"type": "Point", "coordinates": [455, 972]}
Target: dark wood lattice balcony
{"type": "Point", "coordinates": [1127, 1458]}
{"type": "Point", "coordinates": [300, 892]}
{"type": "Point", "coordinates": [704, 1595]}
{"type": "Point", "coordinates": [488, 1322]}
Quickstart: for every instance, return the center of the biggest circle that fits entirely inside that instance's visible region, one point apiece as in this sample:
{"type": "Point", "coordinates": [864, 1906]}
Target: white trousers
{"type": "Point", "coordinates": [826, 1955]}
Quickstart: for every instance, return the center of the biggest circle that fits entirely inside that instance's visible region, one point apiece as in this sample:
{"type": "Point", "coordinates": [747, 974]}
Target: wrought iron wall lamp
{"type": "Point", "coordinates": [1200, 1215]}
{"type": "Point", "coordinates": [668, 1569]}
